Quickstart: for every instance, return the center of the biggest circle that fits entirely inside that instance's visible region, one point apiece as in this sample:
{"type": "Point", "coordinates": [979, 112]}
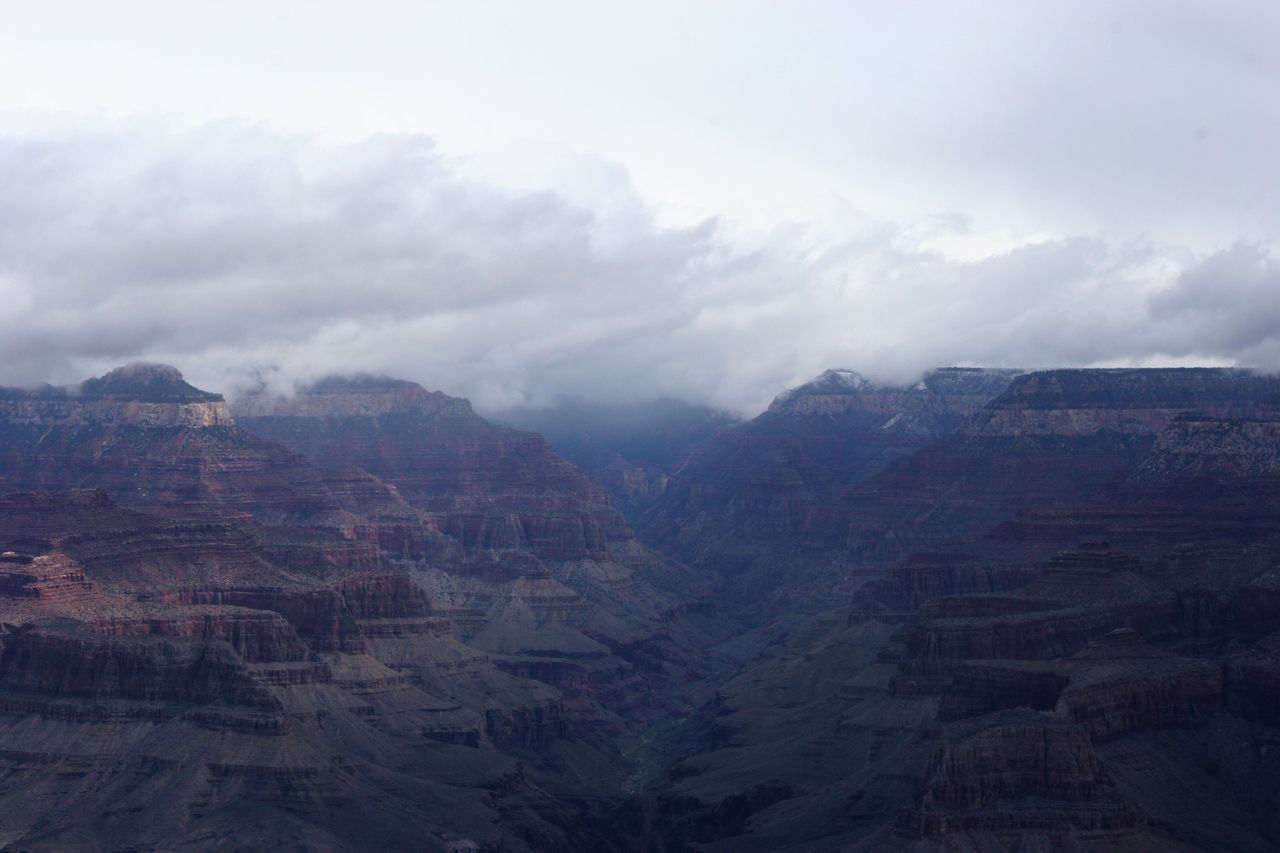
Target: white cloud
{"type": "Point", "coordinates": [231, 251]}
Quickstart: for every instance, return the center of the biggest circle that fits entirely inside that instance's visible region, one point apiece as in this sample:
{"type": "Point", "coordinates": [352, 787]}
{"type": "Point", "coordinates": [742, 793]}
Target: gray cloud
{"type": "Point", "coordinates": [236, 252]}
{"type": "Point", "coordinates": [1229, 302]}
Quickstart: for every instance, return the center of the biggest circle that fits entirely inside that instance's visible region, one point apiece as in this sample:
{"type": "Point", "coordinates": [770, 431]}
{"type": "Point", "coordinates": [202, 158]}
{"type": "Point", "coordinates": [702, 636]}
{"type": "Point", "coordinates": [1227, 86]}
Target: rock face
{"type": "Point", "coordinates": [143, 395]}
{"type": "Point", "coordinates": [134, 552]}
{"type": "Point", "coordinates": [1068, 597]}
{"type": "Point", "coordinates": [52, 581]}
{"type": "Point", "coordinates": [933, 406]}
{"type": "Point", "coordinates": [147, 438]}
{"type": "Point", "coordinates": [265, 642]}
{"type": "Point", "coordinates": [484, 485]}
{"type": "Point", "coordinates": [1118, 685]}
{"type": "Point", "coordinates": [1052, 436]}
{"type": "Point", "coordinates": [1133, 401]}
{"type": "Point", "coordinates": [1252, 683]}
{"type": "Point", "coordinates": [772, 488]}
{"type": "Point", "coordinates": [73, 663]}
{"type": "Point", "coordinates": [514, 544]}
{"type": "Point", "coordinates": [1018, 777]}
{"type": "Point", "coordinates": [991, 611]}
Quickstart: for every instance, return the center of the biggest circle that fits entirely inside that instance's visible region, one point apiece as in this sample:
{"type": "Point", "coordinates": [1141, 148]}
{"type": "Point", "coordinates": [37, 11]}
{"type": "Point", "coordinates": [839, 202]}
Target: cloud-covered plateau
{"type": "Point", "coordinates": [236, 252]}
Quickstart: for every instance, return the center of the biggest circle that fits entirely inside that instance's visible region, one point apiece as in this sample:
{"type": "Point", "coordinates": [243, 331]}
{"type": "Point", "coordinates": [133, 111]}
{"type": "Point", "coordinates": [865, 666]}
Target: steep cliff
{"type": "Point", "coordinates": [484, 485]}
{"type": "Point", "coordinates": [249, 634]}
{"type": "Point", "coordinates": [149, 439]}
{"type": "Point", "coordinates": [988, 612]}
{"type": "Point", "coordinates": [770, 490]}
{"type": "Point", "coordinates": [1075, 584]}
{"type": "Point", "coordinates": [532, 538]}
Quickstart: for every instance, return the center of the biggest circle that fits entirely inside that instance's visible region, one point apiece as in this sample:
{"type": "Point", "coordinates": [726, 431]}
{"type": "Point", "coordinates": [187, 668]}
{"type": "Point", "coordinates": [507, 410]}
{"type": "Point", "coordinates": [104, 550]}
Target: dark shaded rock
{"type": "Point", "coordinates": [67, 661]}
{"type": "Point", "coordinates": [1019, 774]}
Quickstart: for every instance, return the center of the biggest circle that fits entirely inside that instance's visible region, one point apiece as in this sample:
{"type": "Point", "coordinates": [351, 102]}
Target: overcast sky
{"type": "Point", "coordinates": [509, 201]}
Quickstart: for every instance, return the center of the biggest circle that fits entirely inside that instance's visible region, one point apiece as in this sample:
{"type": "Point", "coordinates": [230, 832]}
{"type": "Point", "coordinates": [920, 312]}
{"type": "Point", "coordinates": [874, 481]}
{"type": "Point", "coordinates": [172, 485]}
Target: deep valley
{"type": "Point", "coordinates": [992, 610]}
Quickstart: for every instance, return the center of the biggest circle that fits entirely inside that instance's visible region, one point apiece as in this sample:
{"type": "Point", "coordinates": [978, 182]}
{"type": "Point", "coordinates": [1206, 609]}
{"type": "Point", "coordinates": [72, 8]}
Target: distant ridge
{"type": "Point", "coordinates": [146, 383]}
{"type": "Point", "coordinates": [142, 382]}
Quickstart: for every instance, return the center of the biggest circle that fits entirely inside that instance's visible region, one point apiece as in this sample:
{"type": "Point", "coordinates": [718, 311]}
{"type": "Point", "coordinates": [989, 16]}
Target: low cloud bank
{"type": "Point", "coordinates": [242, 256]}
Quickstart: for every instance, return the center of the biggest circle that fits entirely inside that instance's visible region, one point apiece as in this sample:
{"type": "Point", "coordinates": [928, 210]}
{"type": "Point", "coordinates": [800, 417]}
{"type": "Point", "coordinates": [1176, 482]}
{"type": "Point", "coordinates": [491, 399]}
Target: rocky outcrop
{"type": "Point", "coordinates": [1120, 685]}
{"type": "Point", "coordinates": [128, 551]}
{"type": "Point", "coordinates": [951, 585]}
{"type": "Point", "coordinates": [1051, 437]}
{"type": "Point", "coordinates": [946, 395]}
{"type": "Point", "coordinates": [531, 727]}
{"type": "Point", "coordinates": [360, 396]}
{"type": "Point", "coordinates": [1117, 685]}
{"type": "Point", "coordinates": [772, 489]}
{"type": "Point", "coordinates": [1069, 595]}
{"type": "Point", "coordinates": [70, 662]}
{"type": "Point", "coordinates": [384, 596]}
{"type": "Point", "coordinates": [75, 411]}
{"type": "Point", "coordinates": [978, 687]}
{"type": "Point", "coordinates": [140, 395]}
{"type": "Point", "coordinates": [338, 619]}
{"type": "Point", "coordinates": [152, 442]}
{"type": "Point", "coordinates": [320, 617]}
{"type": "Point", "coordinates": [1036, 635]}
{"type": "Point", "coordinates": [485, 486]}
{"type": "Point", "coordinates": [1016, 775]}
{"type": "Point", "coordinates": [53, 581]}
{"type": "Point", "coordinates": [256, 635]}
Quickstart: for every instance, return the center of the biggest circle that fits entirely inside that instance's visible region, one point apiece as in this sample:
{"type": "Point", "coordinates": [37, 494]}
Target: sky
{"type": "Point", "coordinates": [707, 200]}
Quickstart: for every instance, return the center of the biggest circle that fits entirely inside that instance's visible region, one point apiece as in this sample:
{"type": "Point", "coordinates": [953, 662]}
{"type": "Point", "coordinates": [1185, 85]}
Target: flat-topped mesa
{"type": "Point", "coordinates": [146, 382]}
{"type": "Point", "coordinates": [1052, 437]}
{"type": "Point", "coordinates": [1135, 401]}
{"type": "Point", "coordinates": [955, 391]}
{"type": "Point", "coordinates": [144, 395]}
{"type": "Point", "coordinates": [358, 396]}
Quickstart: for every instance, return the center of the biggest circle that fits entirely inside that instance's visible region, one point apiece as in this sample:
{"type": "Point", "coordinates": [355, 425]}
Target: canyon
{"type": "Point", "coordinates": [990, 610]}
